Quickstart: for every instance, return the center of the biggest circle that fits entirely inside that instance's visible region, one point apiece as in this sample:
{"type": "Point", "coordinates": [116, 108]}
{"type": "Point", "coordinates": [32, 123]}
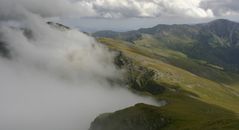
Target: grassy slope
{"type": "Point", "coordinates": [192, 99]}
{"type": "Point", "coordinates": [187, 114]}
{"type": "Point", "coordinates": [191, 114]}
{"type": "Point", "coordinates": [181, 60]}
{"type": "Point", "coordinates": [208, 90]}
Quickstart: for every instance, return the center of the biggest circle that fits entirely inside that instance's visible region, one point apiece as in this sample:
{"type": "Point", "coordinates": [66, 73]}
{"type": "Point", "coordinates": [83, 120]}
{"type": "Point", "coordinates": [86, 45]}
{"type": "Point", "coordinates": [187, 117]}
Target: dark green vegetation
{"type": "Point", "coordinates": [192, 67]}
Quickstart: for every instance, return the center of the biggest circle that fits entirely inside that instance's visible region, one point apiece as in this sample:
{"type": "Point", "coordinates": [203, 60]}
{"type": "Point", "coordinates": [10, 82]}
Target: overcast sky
{"type": "Point", "coordinates": [121, 15]}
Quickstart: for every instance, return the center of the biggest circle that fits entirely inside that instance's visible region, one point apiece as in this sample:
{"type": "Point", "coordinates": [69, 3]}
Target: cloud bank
{"type": "Point", "coordinates": [54, 79]}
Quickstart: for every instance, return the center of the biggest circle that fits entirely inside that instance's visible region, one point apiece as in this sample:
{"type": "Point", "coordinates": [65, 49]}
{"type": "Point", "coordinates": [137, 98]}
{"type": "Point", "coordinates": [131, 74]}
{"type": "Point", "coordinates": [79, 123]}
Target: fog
{"type": "Point", "coordinates": [55, 79]}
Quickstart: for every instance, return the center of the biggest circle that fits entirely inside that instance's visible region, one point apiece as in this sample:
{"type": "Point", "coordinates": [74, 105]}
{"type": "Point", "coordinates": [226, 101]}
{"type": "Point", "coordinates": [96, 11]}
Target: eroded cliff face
{"type": "Point", "coordinates": [138, 117]}
{"type": "Point", "coordinates": [139, 77]}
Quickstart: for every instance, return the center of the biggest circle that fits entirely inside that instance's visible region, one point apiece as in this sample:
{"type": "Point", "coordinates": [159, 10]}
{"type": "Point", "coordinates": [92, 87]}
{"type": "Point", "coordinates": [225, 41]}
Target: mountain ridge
{"type": "Point", "coordinates": [216, 42]}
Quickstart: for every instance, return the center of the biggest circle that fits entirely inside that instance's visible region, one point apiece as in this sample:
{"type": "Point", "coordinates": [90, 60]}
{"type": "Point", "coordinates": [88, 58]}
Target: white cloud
{"type": "Point", "coordinates": [122, 8]}
{"type": "Point", "coordinates": [16, 9]}
{"type": "Point", "coordinates": [107, 8]}
{"type": "Point", "coordinates": [56, 79]}
{"type": "Point", "coordinates": [147, 8]}
{"type": "Point", "coordinates": [222, 7]}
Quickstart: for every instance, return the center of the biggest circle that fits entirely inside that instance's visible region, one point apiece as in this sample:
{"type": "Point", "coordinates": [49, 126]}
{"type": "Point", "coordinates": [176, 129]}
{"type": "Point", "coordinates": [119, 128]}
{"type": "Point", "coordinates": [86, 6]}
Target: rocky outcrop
{"type": "Point", "coordinates": [138, 117]}
{"type": "Point", "coordinates": [139, 77]}
{"type": "Point", "coordinates": [3, 50]}
{"type": "Point", "coordinates": [58, 26]}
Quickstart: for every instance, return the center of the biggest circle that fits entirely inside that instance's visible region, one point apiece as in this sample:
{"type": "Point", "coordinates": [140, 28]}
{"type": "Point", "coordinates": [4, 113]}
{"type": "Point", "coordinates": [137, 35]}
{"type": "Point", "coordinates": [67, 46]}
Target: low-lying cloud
{"type": "Point", "coordinates": [55, 79]}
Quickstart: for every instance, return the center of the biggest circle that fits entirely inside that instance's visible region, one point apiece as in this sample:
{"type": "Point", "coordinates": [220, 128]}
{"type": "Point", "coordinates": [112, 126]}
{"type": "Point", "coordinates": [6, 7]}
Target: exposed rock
{"type": "Point", "coordinates": [58, 26]}
{"type": "Point", "coordinates": [138, 117]}
{"type": "Point", "coordinates": [3, 50]}
{"type": "Point", "coordinates": [139, 77]}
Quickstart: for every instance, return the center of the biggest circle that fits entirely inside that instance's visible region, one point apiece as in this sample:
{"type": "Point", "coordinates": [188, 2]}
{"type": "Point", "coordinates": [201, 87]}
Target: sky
{"type": "Point", "coordinates": [123, 15]}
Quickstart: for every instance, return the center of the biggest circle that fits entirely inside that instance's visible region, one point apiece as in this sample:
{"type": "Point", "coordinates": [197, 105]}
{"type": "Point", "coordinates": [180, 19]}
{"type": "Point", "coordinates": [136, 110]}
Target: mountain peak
{"type": "Point", "coordinates": [222, 22]}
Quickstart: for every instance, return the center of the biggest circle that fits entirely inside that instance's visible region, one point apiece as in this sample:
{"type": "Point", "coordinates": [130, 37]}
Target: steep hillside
{"type": "Point", "coordinates": [199, 95]}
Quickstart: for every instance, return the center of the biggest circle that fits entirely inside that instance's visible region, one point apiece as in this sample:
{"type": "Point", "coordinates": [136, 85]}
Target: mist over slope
{"type": "Point", "coordinates": [51, 78]}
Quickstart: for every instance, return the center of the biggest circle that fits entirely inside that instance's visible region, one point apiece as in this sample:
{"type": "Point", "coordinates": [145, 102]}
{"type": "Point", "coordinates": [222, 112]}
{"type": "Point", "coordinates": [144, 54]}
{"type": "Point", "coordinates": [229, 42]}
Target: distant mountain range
{"type": "Point", "coordinates": [216, 42]}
